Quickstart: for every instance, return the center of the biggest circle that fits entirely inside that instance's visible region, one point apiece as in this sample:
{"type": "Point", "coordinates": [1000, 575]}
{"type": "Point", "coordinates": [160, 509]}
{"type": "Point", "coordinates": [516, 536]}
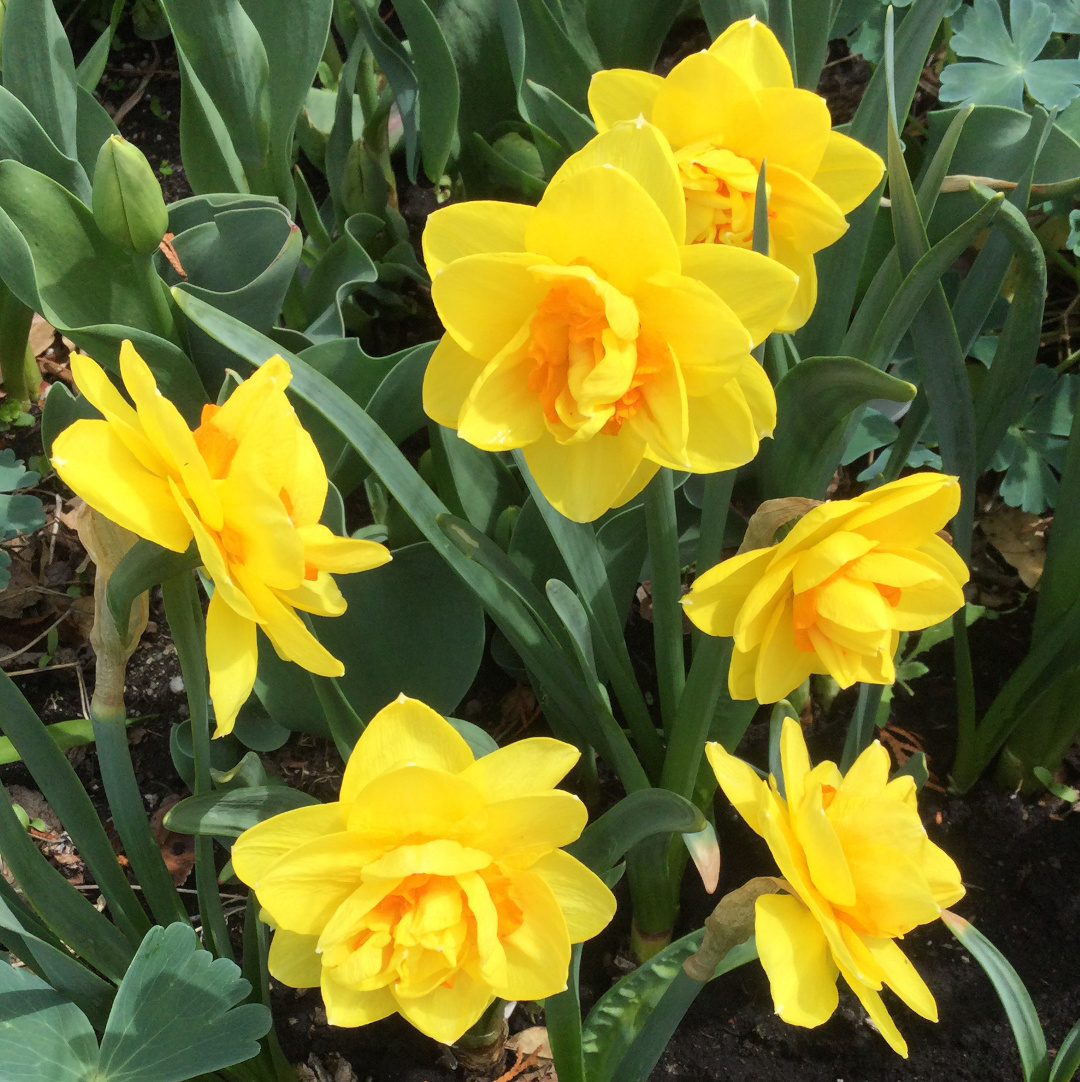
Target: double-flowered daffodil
{"type": "Point", "coordinates": [724, 112]}
{"type": "Point", "coordinates": [247, 485]}
{"type": "Point", "coordinates": [584, 332]}
{"type": "Point", "coordinates": [861, 873]}
{"type": "Point", "coordinates": [834, 595]}
{"type": "Point", "coordinates": [436, 881]}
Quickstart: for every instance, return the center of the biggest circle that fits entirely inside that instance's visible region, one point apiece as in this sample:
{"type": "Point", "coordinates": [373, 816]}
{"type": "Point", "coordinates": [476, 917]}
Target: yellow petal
{"type": "Point", "coordinates": [824, 853]}
{"type": "Point", "coordinates": [900, 975]}
{"type": "Point", "coordinates": [259, 848]}
{"type": "Point", "coordinates": [802, 213]}
{"type": "Point", "coordinates": [740, 783]}
{"type": "Point", "coordinates": [261, 536]}
{"type": "Point", "coordinates": [605, 219]}
{"type": "Point", "coordinates": [824, 559]}
{"type": "Point", "coordinates": [801, 263]}
{"type": "Point", "coordinates": [941, 874]}
{"type": "Point", "coordinates": [757, 289]}
{"type": "Point", "coordinates": [525, 827]}
{"type": "Point", "coordinates": [893, 896]}
{"type": "Point", "coordinates": [721, 431]}
{"type": "Point", "coordinates": [661, 416]}
{"type": "Point", "coordinates": [411, 801]}
{"type": "Point", "coordinates": [908, 512]}
{"type": "Point", "coordinates": [583, 480]}
{"type": "Point", "coordinates": [891, 568]}
{"type": "Point", "coordinates": [349, 1007]}
{"type": "Point", "coordinates": [537, 952]}
{"type": "Point", "coordinates": [586, 903]}
{"type": "Point", "coordinates": [341, 555]}
{"type": "Point", "coordinates": [445, 1013]}
{"type": "Point", "coordinates": [795, 956]}
{"type": "Point", "coordinates": [94, 462]}
{"type": "Point", "coordinates": [232, 656]}
{"type": "Point", "coordinates": [791, 129]}
{"type": "Point", "coordinates": [869, 773]}
{"type": "Point", "coordinates": [699, 101]}
{"type": "Point", "coordinates": [407, 732]}
{"type": "Point", "coordinates": [471, 228]}
{"type": "Point", "coordinates": [98, 389]}
{"type": "Point", "coordinates": [622, 94]}
{"type": "Point", "coordinates": [502, 411]}
{"type": "Point", "coordinates": [641, 150]}
{"type": "Point", "coordinates": [169, 433]}
{"type": "Point", "coordinates": [485, 300]}
{"type": "Point", "coordinates": [752, 49]}
{"type": "Point", "coordinates": [304, 889]}
{"type": "Point", "coordinates": [926, 604]}
{"type": "Point", "coordinates": [319, 596]}
{"type": "Point", "coordinates": [741, 673]}
{"type": "Point", "coordinates": [638, 480]}
{"type": "Point", "coordinates": [292, 960]}
{"type": "Point", "coordinates": [939, 550]}
{"type": "Point", "coordinates": [794, 762]}
{"type": "Point", "coordinates": [307, 487]}
{"type": "Point", "coordinates": [781, 665]}
{"type": "Point", "coordinates": [533, 765]}
{"type": "Point", "coordinates": [854, 604]}
{"type": "Point", "coordinates": [443, 856]}
{"type": "Point", "coordinates": [848, 171]}
{"type": "Point", "coordinates": [717, 594]}
{"type": "Point", "coordinates": [450, 375]}
{"type": "Point", "coordinates": [881, 1018]}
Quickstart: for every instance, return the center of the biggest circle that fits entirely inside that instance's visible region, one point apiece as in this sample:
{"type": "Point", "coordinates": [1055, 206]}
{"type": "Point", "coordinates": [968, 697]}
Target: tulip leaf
{"type": "Point", "coordinates": [411, 626]}
{"type": "Point", "coordinates": [630, 35]}
{"type": "Point", "coordinates": [814, 401]}
{"type": "Point", "coordinates": [480, 741]}
{"type": "Point", "coordinates": [43, 1036]}
{"type": "Point", "coordinates": [229, 812]}
{"type": "Point", "coordinates": [170, 979]}
{"type": "Point", "coordinates": [39, 69]}
{"type": "Point", "coordinates": [344, 266]}
{"type": "Point", "coordinates": [23, 138]}
{"type": "Point", "coordinates": [637, 816]}
{"type": "Point", "coordinates": [620, 1014]}
{"type": "Point", "coordinates": [1030, 1041]}
{"type": "Point", "coordinates": [94, 127]}
{"type": "Point", "coordinates": [477, 485]}
{"type": "Point", "coordinates": [1067, 1060]}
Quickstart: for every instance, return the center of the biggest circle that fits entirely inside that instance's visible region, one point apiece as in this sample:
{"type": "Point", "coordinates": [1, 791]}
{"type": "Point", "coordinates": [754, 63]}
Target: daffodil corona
{"type": "Point", "coordinates": [834, 595]}
{"type": "Point", "coordinates": [583, 331]}
{"type": "Point", "coordinates": [725, 112]}
{"type": "Point", "coordinates": [436, 881]}
{"type": "Point", "coordinates": [860, 873]}
{"type": "Point", "coordinates": [247, 485]}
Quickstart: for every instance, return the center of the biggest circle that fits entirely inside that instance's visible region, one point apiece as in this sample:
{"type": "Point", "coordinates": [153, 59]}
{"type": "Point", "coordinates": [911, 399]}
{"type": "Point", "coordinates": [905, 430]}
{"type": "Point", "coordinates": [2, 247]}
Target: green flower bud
{"type": "Point", "coordinates": [363, 186]}
{"type": "Point", "coordinates": [127, 201]}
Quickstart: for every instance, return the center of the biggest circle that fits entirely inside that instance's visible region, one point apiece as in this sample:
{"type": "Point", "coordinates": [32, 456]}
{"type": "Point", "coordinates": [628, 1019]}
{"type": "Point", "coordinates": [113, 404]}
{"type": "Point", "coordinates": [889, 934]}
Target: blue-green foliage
{"type": "Point", "coordinates": [19, 511]}
{"type": "Point", "coordinates": [1009, 61]}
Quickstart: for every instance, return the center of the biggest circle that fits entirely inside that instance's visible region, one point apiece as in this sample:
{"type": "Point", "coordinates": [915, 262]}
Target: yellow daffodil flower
{"type": "Point", "coordinates": [724, 112]}
{"type": "Point", "coordinates": [436, 881]}
{"type": "Point", "coordinates": [833, 596]}
{"type": "Point", "coordinates": [861, 873]}
{"type": "Point", "coordinates": [248, 485]}
{"type": "Point", "coordinates": [584, 332]}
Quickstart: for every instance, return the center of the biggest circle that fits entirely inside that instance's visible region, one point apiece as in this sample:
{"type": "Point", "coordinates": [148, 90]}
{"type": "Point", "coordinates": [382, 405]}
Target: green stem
{"type": "Point", "coordinates": [911, 429]}
{"type": "Point", "coordinates": [966, 719]}
{"type": "Point", "coordinates": [184, 613]}
{"type": "Point", "coordinates": [714, 516]}
{"type": "Point", "coordinates": [15, 320]}
{"type": "Point", "coordinates": [861, 728]}
{"type": "Point", "coordinates": [663, 531]}
{"type": "Point", "coordinates": [562, 1016]}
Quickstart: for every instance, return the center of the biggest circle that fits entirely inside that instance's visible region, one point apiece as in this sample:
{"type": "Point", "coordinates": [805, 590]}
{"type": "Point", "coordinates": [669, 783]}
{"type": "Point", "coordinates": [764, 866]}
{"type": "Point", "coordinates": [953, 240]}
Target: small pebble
{"type": "Point", "coordinates": [176, 685]}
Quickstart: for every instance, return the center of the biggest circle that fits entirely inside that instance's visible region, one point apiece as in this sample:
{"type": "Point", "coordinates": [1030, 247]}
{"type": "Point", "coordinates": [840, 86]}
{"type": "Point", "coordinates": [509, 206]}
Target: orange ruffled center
{"type": "Point", "coordinates": [721, 189]}
{"type": "Point", "coordinates": [805, 612]}
{"type": "Point", "coordinates": [421, 934]}
{"type": "Point", "coordinates": [585, 373]}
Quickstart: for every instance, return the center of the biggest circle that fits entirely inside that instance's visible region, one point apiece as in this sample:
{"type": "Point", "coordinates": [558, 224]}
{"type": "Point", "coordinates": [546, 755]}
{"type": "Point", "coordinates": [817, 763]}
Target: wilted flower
{"type": "Point", "coordinates": [861, 873]}
{"type": "Point", "coordinates": [727, 110]}
{"type": "Point", "coordinates": [434, 884]}
{"type": "Point", "coordinates": [834, 595]}
{"type": "Point", "coordinates": [581, 331]}
{"type": "Point", "coordinates": [248, 485]}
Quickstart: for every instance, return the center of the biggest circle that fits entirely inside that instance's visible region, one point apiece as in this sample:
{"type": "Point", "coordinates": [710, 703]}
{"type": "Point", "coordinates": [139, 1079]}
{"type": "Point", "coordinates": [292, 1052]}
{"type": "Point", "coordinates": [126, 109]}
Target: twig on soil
{"type": "Point", "coordinates": [522, 1064]}
{"type": "Point", "coordinates": [136, 95]}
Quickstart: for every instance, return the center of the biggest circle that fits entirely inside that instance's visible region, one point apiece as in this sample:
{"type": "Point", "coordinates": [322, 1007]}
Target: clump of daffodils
{"type": "Point", "coordinates": [436, 881]}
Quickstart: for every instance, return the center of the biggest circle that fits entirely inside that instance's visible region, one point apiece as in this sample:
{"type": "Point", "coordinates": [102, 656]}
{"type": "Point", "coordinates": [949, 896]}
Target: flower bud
{"type": "Point", "coordinates": [127, 202]}
{"type": "Point", "coordinates": [363, 186]}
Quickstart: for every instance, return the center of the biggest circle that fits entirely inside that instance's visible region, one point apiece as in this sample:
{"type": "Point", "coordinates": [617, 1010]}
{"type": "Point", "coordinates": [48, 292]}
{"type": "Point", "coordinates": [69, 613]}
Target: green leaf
{"type": "Point", "coordinates": [169, 980]}
{"type": "Point", "coordinates": [64, 734]}
{"type": "Point", "coordinates": [39, 69]}
{"type": "Point", "coordinates": [478, 484]}
{"type": "Point", "coordinates": [637, 816]}
{"type": "Point", "coordinates": [1013, 995]}
{"type": "Point", "coordinates": [43, 1036]}
{"type": "Point", "coordinates": [344, 266]}
{"type": "Point", "coordinates": [629, 35]}
{"type": "Point", "coordinates": [229, 812]}
{"type": "Point", "coordinates": [814, 401]}
{"type": "Point", "coordinates": [1067, 1060]}
{"type": "Point", "coordinates": [144, 565]}
{"type": "Point", "coordinates": [437, 84]}
{"type": "Point", "coordinates": [621, 1012]}
{"type": "Point", "coordinates": [23, 138]}
{"type": "Point", "coordinates": [429, 638]}
{"type": "Point", "coordinates": [480, 741]}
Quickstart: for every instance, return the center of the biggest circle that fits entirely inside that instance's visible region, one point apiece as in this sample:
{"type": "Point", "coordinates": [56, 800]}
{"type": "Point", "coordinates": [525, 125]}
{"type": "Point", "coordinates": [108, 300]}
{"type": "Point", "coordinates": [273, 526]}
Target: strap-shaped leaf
{"type": "Point", "coordinates": [229, 812]}
{"type": "Point", "coordinates": [177, 1015]}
